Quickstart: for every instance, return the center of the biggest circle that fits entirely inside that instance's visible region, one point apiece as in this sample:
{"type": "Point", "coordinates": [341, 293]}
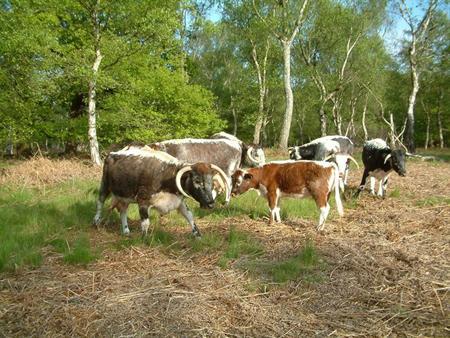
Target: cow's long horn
{"type": "Point", "coordinates": [354, 161]}
{"type": "Point", "coordinates": [178, 179]}
{"type": "Point", "coordinates": [328, 157]}
{"type": "Point", "coordinates": [224, 178]}
{"type": "Point", "coordinates": [387, 158]}
{"type": "Point", "coordinates": [249, 155]}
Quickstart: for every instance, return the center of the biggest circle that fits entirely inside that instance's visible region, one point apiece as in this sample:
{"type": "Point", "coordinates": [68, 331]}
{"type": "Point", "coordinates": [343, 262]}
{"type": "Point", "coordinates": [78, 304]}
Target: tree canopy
{"type": "Point", "coordinates": [168, 71]}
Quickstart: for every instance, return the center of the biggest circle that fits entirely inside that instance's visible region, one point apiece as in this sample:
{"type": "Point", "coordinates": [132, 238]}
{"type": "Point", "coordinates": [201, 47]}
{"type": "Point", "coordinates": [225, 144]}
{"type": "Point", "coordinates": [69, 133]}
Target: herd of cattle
{"type": "Point", "coordinates": [160, 175]}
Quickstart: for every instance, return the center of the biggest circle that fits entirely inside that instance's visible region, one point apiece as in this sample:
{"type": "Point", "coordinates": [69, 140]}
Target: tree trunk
{"type": "Point", "coordinates": [285, 129]}
{"type": "Point", "coordinates": [427, 137]}
{"type": "Point", "coordinates": [337, 118]}
{"type": "Point", "coordinates": [410, 113]}
{"type": "Point", "coordinates": [323, 120]}
{"type": "Point", "coordinates": [261, 73]}
{"type": "Point", "coordinates": [366, 134]}
{"type": "Point", "coordinates": [233, 111]}
{"type": "Point", "coordinates": [439, 120]}
{"type": "Point", "coordinates": [92, 123]}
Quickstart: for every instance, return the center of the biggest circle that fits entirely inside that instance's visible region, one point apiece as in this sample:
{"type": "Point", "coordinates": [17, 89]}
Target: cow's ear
{"type": "Point", "coordinates": [248, 176]}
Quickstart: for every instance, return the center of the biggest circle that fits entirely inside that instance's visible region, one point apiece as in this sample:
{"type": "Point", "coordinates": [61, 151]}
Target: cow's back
{"type": "Point", "coordinates": [224, 153]}
{"type": "Point", "coordinates": [129, 176]}
{"type": "Point", "coordinates": [292, 178]}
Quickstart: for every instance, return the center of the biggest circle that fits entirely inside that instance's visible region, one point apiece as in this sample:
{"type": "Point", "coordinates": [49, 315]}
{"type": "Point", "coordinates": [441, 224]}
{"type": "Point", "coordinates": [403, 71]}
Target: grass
{"type": "Point", "coordinates": [238, 245]}
{"type": "Point", "coordinates": [306, 265]}
{"type": "Point", "coordinates": [210, 242]}
{"type": "Point", "coordinates": [395, 193]}
{"type": "Point", "coordinates": [256, 207]}
{"type": "Point", "coordinates": [440, 154]}
{"type": "Point", "coordinates": [433, 201]}
{"type": "Point", "coordinates": [32, 217]}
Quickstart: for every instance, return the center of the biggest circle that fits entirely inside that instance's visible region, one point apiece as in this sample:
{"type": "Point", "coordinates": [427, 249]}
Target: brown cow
{"type": "Point", "coordinates": [292, 179]}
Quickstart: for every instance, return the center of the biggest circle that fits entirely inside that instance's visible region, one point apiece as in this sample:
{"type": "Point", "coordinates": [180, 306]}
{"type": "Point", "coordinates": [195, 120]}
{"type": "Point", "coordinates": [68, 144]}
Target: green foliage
{"type": "Point", "coordinates": [46, 56]}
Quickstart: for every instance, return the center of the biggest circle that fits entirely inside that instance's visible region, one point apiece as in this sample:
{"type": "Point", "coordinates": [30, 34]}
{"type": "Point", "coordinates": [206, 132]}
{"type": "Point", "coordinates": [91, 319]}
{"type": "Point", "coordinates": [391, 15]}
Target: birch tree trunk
{"type": "Point", "coordinates": [92, 115]}
{"type": "Point", "coordinates": [287, 120]}
{"type": "Point", "coordinates": [286, 38]}
{"type": "Point", "coordinates": [439, 120]}
{"type": "Point", "coordinates": [363, 122]}
{"type": "Point", "coordinates": [410, 144]}
{"type": "Point", "coordinates": [323, 119]}
{"type": "Point", "coordinates": [427, 137]}
{"type": "Point", "coordinates": [417, 50]}
{"type": "Point", "coordinates": [261, 73]}
{"type": "Point", "coordinates": [233, 111]}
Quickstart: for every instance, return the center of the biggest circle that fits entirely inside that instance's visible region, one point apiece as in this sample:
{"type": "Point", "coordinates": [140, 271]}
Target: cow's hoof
{"type": "Point", "coordinates": [196, 234]}
{"type": "Point", "coordinates": [126, 232]}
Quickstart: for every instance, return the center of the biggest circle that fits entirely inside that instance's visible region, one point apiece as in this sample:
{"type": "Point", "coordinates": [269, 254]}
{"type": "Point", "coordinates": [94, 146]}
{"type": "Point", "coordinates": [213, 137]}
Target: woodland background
{"type": "Point", "coordinates": [80, 74]}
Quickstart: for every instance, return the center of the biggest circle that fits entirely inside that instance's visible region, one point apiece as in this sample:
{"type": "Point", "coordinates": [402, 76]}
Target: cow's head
{"type": "Point", "coordinates": [199, 182]}
{"type": "Point", "coordinates": [254, 156]}
{"type": "Point", "coordinates": [397, 159]}
{"type": "Point", "coordinates": [242, 181]}
{"type": "Point", "coordinates": [294, 153]}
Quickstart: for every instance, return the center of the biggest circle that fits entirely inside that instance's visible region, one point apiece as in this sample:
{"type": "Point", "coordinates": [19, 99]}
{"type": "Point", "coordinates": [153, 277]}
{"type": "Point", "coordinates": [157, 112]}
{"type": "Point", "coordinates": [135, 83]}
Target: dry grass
{"type": "Point", "coordinates": [386, 274]}
{"type": "Point", "coordinates": [40, 171]}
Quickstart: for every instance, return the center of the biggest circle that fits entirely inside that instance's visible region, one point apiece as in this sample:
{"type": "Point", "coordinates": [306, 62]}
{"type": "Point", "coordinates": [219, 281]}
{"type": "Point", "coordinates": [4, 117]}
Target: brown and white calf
{"type": "Point", "coordinates": [292, 179]}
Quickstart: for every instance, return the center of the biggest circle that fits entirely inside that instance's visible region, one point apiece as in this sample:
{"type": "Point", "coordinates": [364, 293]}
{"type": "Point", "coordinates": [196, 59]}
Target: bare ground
{"type": "Point", "coordinates": [387, 273]}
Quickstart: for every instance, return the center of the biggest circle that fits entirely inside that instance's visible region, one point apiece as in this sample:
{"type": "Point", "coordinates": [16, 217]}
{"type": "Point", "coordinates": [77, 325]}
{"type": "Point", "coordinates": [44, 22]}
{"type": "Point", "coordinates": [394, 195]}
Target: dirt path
{"type": "Point", "coordinates": [387, 272]}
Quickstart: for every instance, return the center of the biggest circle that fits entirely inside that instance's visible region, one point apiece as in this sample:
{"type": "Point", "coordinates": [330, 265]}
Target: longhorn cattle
{"type": "Point", "coordinates": [154, 179]}
{"type": "Point", "coordinates": [252, 154]}
{"type": "Point", "coordinates": [226, 153]}
{"type": "Point", "coordinates": [292, 179]}
{"type": "Point", "coordinates": [334, 148]}
{"type": "Point", "coordinates": [379, 161]}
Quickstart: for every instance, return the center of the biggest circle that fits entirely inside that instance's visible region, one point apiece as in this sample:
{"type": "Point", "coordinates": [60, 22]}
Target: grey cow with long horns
{"type": "Point", "coordinates": [154, 179]}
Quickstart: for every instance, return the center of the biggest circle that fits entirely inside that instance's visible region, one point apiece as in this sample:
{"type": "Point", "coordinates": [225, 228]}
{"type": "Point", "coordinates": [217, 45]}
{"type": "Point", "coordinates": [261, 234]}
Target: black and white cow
{"type": "Point", "coordinates": [334, 148]}
{"type": "Point", "coordinates": [379, 161]}
{"type": "Point", "coordinates": [154, 179]}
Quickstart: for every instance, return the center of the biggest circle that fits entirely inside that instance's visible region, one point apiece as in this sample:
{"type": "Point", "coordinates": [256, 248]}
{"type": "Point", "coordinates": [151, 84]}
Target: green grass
{"type": "Point", "coordinates": [239, 244]}
{"type": "Point", "coordinates": [305, 265]}
{"type": "Point", "coordinates": [433, 200]}
{"type": "Point", "coordinates": [31, 217]}
{"type": "Point", "coordinates": [256, 207]}
{"type": "Point", "coordinates": [80, 252]}
{"type": "Point", "coordinates": [440, 154]}
{"type": "Point", "coordinates": [394, 193]}
{"type": "Point", "coordinates": [210, 242]}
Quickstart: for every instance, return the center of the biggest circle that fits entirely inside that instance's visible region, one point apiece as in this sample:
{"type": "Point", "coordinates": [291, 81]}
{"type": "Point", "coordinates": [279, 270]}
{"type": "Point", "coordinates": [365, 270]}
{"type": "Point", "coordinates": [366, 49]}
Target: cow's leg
{"type": "Point", "coordinates": [383, 186]}
{"type": "Point", "coordinates": [363, 182]}
{"type": "Point", "coordinates": [145, 221]}
{"type": "Point", "coordinates": [347, 168]}
{"type": "Point", "coordinates": [272, 198]}
{"type": "Point", "coordinates": [372, 185]}
{"type": "Point", "coordinates": [324, 206]}
{"type": "Point", "coordinates": [380, 188]}
{"type": "Point", "coordinates": [123, 208]}
{"type": "Point", "coordinates": [187, 214]}
{"type": "Point", "coordinates": [103, 194]}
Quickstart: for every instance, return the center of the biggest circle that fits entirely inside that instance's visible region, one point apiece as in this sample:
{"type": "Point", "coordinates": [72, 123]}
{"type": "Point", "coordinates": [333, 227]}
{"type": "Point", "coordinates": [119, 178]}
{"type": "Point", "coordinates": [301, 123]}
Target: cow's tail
{"type": "Point", "coordinates": [337, 196]}
{"type": "Point", "coordinates": [103, 194]}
